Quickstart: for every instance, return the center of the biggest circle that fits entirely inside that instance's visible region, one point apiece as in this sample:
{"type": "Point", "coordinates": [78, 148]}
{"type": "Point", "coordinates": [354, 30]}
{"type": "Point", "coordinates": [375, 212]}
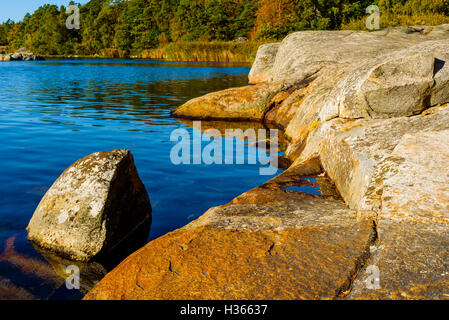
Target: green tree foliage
{"type": "Point", "coordinates": [133, 26]}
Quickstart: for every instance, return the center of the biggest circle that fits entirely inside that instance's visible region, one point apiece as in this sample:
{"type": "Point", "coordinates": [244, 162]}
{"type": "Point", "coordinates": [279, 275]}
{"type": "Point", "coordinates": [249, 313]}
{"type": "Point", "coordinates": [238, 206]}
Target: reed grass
{"type": "Point", "coordinates": [114, 53]}
{"type": "Point", "coordinates": [204, 51]}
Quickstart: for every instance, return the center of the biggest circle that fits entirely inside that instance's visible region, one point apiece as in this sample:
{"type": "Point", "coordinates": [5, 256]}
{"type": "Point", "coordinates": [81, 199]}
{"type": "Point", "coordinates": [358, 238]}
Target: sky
{"type": "Point", "coordinates": [16, 9]}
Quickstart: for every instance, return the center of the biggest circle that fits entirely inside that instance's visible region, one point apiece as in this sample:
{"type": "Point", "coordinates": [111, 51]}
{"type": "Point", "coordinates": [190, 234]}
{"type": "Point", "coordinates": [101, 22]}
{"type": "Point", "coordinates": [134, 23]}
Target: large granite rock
{"type": "Point", "coordinates": [346, 74]}
{"type": "Point", "coordinates": [98, 203]}
{"type": "Point", "coordinates": [418, 186]}
{"type": "Point", "coordinates": [20, 56]}
{"type": "Point", "coordinates": [402, 83]}
{"type": "Point", "coordinates": [245, 103]}
{"type": "Point", "coordinates": [384, 87]}
{"type": "Point", "coordinates": [301, 50]}
{"type": "Point", "coordinates": [412, 260]}
{"type": "Point", "coordinates": [413, 226]}
{"type": "Point", "coordinates": [290, 245]}
{"type": "Point", "coordinates": [394, 171]}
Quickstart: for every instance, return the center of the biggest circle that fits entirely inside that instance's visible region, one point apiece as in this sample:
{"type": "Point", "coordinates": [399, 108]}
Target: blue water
{"type": "Point", "coordinates": [55, 112]}
{"type": "Point", "coordinates": [311, 188]}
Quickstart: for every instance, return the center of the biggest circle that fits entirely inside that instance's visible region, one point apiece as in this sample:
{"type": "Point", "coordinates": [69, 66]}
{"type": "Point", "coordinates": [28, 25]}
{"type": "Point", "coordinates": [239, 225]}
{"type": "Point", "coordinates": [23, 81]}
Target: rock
{"type": "Point", "coordinates": [30, 266]}
{"type": "Point", "coordinates": [261, 69]}
{"type": "Point", "coordinates": [304, 112]}
{"type": "Point", "coordinates": [20, 55]}
{"type": "Point", "coordinates": [402, 83]}
{"type": "Point", "coordinates": [301, 50]}
{"type": "Point", "coordinates": [418, 187]}
{"type": "Point", "coordinates": [397, 87]}
{"type": "Point", "coordinates": [10, 291]}
{"type": "Point", "coordinates": [412, 260]}
{"type": "Point", "coordinates": [413, 225]}
{"type": "Point", "coordinates": [354, 92]}
{"type": "Point", "coordinates": [365, 75]}
{"type": "Point", "coordinates": [366, 112]}
{"type": "Point", "coordinates": [371, 90]}
{"type": "Point", "coordinates": [98, 203]}
{"type": "Point", "coordinates": [246, 103]}
{"type": "Point", "coordinates": [17, 56]}
{"type": "Point", "coordinates": [387, 170]}
{"type": "Point", "coordinates": [295, 246]}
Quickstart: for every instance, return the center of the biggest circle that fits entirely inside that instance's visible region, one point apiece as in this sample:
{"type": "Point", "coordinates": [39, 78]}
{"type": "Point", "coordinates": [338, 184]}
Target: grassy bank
{"type": "Point", "coordinates": [204, 51]}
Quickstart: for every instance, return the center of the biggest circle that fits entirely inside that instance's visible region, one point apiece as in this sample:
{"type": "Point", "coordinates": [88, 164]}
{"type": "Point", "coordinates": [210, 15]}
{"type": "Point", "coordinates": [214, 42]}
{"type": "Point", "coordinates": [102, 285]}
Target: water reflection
{"type": "Point", "coordinates": [32, 275]}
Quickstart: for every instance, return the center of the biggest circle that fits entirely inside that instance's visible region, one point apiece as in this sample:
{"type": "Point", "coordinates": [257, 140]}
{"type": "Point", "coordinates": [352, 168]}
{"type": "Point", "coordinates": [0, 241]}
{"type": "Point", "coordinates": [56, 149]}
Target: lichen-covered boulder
{"type": "Point", "coordinates": [413, 221]}
{"type": "Point", "coordinates": [98, 203]}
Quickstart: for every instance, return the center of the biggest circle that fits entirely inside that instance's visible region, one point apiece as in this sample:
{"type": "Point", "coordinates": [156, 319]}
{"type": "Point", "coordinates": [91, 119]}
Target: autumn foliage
{"type": "Point", "coordinates": [130, 27]}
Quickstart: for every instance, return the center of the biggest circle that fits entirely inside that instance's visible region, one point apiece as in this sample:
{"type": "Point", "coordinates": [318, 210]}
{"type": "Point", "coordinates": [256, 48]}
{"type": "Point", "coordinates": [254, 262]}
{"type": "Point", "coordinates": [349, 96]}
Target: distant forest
{"type": "Point", "coordinates": [135, 25]}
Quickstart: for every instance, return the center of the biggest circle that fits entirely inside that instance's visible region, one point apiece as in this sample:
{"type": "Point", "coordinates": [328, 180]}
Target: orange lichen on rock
{"type": "Point", "coordinates": [248, 252]}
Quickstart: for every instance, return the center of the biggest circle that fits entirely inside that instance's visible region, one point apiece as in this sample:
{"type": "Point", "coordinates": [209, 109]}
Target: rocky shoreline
{"type": "Point", "coordinates": [366, 114]}
{"type": "Point", "coordinates": [21, 55]}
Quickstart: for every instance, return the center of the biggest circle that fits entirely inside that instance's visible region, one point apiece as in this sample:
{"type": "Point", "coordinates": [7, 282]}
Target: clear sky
{"type": "Point", "coordinates": [16, 9]}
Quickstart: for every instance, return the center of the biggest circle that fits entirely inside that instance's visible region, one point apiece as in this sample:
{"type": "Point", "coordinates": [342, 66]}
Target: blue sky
{"type": "Point", "coordinates": [16, 9]}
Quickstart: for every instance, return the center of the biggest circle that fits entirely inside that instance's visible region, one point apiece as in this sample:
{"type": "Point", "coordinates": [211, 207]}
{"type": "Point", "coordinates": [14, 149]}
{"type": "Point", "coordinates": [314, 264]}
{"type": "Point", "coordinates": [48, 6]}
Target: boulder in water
{"type": "Point", "coordinates": [96, 205]}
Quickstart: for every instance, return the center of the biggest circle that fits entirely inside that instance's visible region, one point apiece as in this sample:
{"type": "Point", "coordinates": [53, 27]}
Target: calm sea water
{"type": "Point", "coordinates": [55, 112]}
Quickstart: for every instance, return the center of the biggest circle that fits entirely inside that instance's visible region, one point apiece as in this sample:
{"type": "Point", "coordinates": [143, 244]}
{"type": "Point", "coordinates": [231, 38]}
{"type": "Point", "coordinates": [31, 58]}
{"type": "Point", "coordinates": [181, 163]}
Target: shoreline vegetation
{"type": "Point", "coordinates": [244, 52]}
{"type": "Point", "coordinates": [199, 30]}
